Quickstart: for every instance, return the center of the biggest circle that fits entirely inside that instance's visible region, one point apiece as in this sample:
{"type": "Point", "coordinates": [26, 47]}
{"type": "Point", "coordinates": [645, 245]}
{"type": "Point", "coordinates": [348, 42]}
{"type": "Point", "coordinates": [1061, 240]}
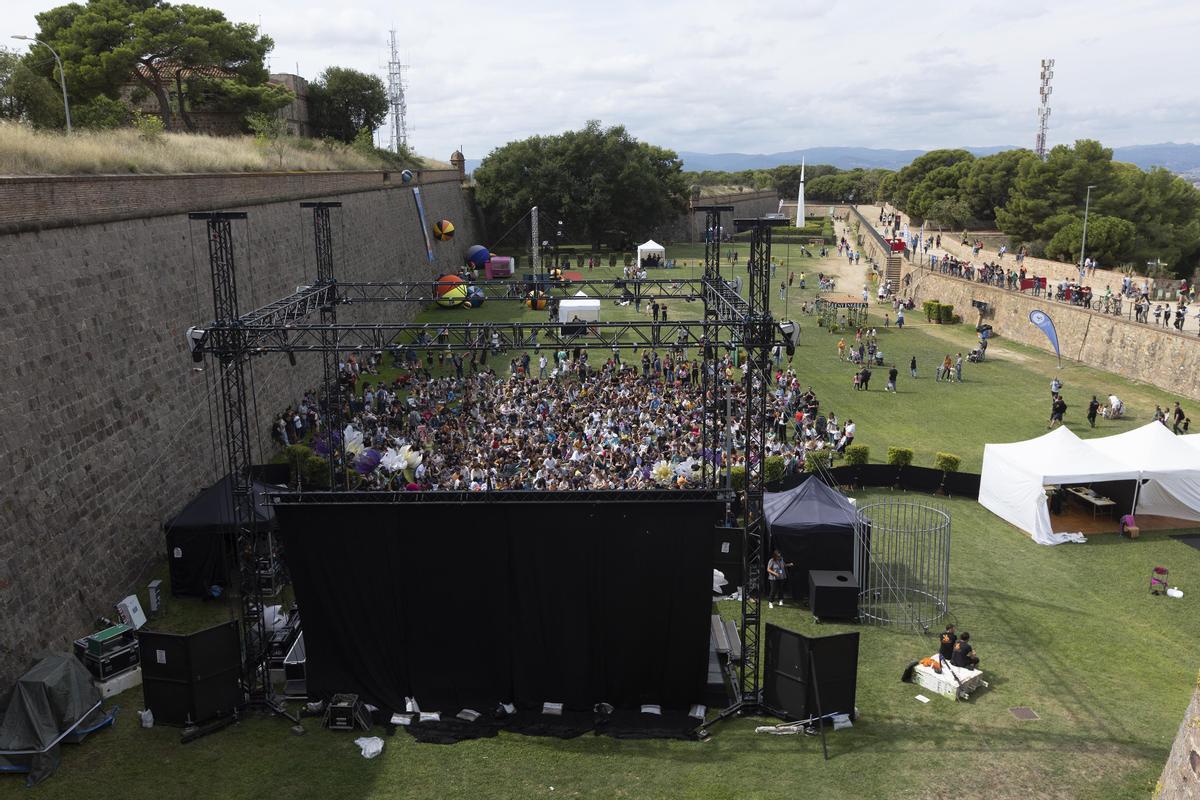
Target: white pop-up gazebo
{"type": "Point", "coordinates": [1015, 475]}
{"type": "Point", "coordinates": [581, 307]}
{"type": "Point", "coordinates": [1170, 469]}
{"type": "Point", "coordinates": [650, 248]}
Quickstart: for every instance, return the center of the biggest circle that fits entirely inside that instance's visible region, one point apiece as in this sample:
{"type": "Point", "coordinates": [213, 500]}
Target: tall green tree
{"type": "Point", "coordinates": [605, 185]}
{"type": "Point", "coordinates": [1110, 239]}
{"type": "Point", "coordinates": [344, 101]}
{"type": "Point", "coordinates": [108, 44]}
{"type": "Point", "coordinates": [26, 96]}
{"type": "Point", "coordinates": [989, 182]}
{"type": "Point", "coordinates": [909, 177]}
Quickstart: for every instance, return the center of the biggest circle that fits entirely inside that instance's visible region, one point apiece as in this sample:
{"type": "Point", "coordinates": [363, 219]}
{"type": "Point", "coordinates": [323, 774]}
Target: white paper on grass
{"type": "Point", "coordinates": [923, 698]}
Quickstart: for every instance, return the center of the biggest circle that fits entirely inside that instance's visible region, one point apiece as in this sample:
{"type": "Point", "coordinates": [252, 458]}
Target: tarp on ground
{"type": "Point", "coordinates": [55, 696]}
{"type": "Point", "coordinates": [1015, 475]}
{"type": "Point", "coordinates": [1170, 469]}
{"type": "Point", "coordinates": [812, 526]}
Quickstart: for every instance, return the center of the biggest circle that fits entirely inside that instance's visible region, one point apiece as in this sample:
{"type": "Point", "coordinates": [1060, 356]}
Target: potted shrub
{"type": "Point", "coordinates": [856, 456]}
{"type": "Point", "coordinates": [899, 457]}
{"type": "Point", "coordinates": [773, 470]}
{"type": "Point", "coordinates": [946, 462]}
{"type": "Point", "coordinates": [946, 314]}
{"type": "Point", "coordinates": [930, 307]}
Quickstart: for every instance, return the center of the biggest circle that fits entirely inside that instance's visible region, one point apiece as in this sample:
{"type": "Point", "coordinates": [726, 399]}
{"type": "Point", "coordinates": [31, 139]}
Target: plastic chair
{"type": "Point", "coordinates": [1158, 580]}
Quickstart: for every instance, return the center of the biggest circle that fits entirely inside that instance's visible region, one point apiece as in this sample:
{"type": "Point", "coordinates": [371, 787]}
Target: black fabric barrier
{"type": "Point", "coordinates": [469, 605]}
{"type": "Point", "coordinates": [917, 479]}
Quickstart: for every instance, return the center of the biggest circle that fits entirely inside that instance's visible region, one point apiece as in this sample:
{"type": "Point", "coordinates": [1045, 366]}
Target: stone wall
{"type": "Point", "coordinates": [106, 429]}
{"type": "Point", "coordinates": [40, 203]}
{"type": "Point", "coordinates": [1181, 776]}
{"type": "Point", "coordinates": [689, 227]}
{"type": "Point", "coordinates": [1156, 356]}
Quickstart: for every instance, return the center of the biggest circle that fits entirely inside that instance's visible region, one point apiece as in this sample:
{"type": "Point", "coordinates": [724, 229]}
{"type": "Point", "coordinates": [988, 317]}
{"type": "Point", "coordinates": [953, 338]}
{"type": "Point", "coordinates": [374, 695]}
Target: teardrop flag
{"type": "Point", "coordinates": [1043, 321]}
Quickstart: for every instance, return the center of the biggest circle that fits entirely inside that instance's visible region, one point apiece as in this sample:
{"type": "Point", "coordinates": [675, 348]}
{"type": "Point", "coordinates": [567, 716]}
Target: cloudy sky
{"type": "Point", "coordinates": [755, 77]}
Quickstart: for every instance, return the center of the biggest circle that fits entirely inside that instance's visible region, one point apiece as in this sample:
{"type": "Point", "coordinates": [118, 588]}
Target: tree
{"type": "Point", "coordinates": [940, 187]}
{"type": "Point", "coordinates": [989, 181]}
{"type": "Point", "coordinates": [1109, 239]}
{"type": "Point", "coordinates": [108, 44]}
{"type": "Point", "coordinates": [605, 185]}
{"type": "Point", "coordinates": [344, 101]}
{"type": "Point", "coordinates": [270, 132]}
{"type": "Point", "coordinates": [26, 96]}
{"type": "Point", "coordinates": [909, 177]}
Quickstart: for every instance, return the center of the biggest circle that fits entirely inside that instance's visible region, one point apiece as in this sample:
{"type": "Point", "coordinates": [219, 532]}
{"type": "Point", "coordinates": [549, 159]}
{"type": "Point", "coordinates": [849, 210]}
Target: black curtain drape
{"type": "Point", "coordinates": [469, 605]}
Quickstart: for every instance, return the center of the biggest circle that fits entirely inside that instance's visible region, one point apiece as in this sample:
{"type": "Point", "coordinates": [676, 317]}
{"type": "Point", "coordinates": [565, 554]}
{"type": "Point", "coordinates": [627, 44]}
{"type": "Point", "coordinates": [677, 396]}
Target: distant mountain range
{"type": "Point", "coordinates": [1183, 159]}
{"type": "Point", "coordinates": [1180, 158]}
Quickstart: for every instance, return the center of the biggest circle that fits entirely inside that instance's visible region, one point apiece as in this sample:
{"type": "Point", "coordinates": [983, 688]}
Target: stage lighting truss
{"type": "Point", "coordinates": [726, 320]}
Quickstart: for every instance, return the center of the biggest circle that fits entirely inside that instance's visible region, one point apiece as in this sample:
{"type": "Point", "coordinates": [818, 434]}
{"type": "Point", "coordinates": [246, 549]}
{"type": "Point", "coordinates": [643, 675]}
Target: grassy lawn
{"type": "Point", "coordinates": [1070, 631]}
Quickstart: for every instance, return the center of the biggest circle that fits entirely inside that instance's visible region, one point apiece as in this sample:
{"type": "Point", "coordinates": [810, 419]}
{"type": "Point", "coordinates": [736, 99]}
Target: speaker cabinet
{"type": "Point", "coordinates": [190, 679]}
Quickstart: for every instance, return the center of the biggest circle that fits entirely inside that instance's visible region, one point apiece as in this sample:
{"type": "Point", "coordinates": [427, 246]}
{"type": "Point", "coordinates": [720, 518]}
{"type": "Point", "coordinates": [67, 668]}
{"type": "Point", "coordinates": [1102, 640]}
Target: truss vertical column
{"type": "Point", "coordinates": [230, 349]}
{"type": "Point", "coordinates": [332, 388]}
{"type": "Point", "coordinates": [712, 398]}
{"type": "Point", "coordinates": [758, 334]}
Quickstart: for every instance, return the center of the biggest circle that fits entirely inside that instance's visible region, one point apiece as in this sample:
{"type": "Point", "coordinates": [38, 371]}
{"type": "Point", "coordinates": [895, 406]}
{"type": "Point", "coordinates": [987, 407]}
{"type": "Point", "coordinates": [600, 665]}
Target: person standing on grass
{"type": "Point", "coordinates": [958, 367]}
{"type": "Point", "coordinates": [777, 577]}
{"type": "Point", "coordinates": [1177, 418]}
{"type": "Point", "coordinates": [1093, 409]}
{"type": "Point", "coordinates": [1055, 388]}
{"type": "Point", "coordinates": [912, 367]}
{"type": "Point", "coordinates": [841, 349]}
{"type": "Point", "coordinates": [892, 373]}
{"type": "Point", "coordinates": [1058, 410]}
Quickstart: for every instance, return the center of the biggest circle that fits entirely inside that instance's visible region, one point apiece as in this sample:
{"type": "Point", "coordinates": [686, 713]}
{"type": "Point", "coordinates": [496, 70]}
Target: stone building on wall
{"type": "Point", "coordinates": [201, 111]}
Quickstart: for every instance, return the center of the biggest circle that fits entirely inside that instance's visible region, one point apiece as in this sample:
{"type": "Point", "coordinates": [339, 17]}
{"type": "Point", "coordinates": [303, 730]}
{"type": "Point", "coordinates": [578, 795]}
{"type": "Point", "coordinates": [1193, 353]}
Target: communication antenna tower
{"type": "Point", "coordinates": [396, 98]}
{"type": "Point", "coordinates": [1044, 91]}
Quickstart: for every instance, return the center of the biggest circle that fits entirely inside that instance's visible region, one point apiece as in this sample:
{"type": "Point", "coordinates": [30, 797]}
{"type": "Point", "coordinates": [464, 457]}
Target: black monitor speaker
{"type": "Point", "coordinates": [804, 676]}
{"type": "Point", "coordinates": [190, 679]}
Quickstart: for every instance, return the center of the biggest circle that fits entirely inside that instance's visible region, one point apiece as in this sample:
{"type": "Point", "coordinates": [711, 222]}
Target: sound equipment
{"type": "Point", "coordinates": [832, 594]}
{"type": "Point", "coordinates": [804, 677]}
{"type": "Point", "coordinates": [189, 679]}
{"type": "Point", "coordinates": [345, 713]}
{"type": "Point", "coordinates": [109, 652]}
{"type": "Point", "coordinates": [727, 554]}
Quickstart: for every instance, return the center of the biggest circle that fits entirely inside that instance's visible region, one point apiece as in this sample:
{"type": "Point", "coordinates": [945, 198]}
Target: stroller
{"type": "Point", "coordinates": [975, 355]}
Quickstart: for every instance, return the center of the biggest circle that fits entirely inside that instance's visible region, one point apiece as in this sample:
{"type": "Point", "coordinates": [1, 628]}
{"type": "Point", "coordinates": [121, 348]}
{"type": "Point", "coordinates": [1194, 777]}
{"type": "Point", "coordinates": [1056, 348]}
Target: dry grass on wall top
{"type": "Point", "coordinates": [24, 151]}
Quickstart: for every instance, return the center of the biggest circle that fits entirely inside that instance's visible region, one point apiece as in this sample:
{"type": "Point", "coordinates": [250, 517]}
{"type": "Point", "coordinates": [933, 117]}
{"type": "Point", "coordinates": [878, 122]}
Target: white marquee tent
{"type": "Point", "coordinates": [1015, 475]}
{"type": "Point", "coordinates": [650, 248]}
{"type": "Point", "coordinates": [1170, 469]}
{"type": "Point", "coordinates": [580, 307]}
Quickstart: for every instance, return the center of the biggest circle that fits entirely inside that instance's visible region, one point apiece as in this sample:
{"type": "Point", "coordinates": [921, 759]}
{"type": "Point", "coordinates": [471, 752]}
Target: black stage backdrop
{"type": "Point", "coordinates": [467, 605]}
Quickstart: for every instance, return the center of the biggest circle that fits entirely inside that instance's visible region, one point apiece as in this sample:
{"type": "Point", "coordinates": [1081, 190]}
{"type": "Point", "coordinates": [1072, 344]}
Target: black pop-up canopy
{"type": "Point", "coordinates": [812, 526]}
{"type": "Point", "coordinates": [200, 537]}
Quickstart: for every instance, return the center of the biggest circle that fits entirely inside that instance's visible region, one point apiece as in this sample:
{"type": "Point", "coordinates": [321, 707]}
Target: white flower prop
{"type": "Point", "coordinates": [352, 440]}
{"type": "Point", "coordinates": [661, 473]}
{"type": "Point", "coordinates": [392, 461]}
{"type": "Point", "coordinates": [412, 458]}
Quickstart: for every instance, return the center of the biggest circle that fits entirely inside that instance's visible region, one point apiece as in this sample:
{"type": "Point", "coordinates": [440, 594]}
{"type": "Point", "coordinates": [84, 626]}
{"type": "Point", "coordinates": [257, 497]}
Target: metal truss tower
{"type": "Point", "coordinates": [1044, 92]}
{"type": "Point", "coordinates": [396, 98]}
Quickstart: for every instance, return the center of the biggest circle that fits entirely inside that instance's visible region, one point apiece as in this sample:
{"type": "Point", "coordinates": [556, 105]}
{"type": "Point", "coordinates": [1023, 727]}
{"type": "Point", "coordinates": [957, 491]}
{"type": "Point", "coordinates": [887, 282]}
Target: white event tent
{"type": "Point", "coordinates": [650, 248]}
{"type": "Point", "coordinates": [581, 307]}
{"type": "Point", "coordinates": [1015, 475]}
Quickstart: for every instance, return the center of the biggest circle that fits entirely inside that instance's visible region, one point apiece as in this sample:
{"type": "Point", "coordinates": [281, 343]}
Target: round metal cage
{"type": "Point", "coordinates": [902, 559]}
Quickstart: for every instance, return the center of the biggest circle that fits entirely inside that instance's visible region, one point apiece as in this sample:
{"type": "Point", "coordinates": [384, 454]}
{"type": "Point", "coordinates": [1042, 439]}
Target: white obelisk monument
{"type": "Point", "coordinates": [800, 198]}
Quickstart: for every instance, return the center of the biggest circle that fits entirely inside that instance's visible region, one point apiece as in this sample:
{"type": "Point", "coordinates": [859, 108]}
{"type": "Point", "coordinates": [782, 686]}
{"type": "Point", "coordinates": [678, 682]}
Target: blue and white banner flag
{"type": "Point", "coordinates": [1043, 321]}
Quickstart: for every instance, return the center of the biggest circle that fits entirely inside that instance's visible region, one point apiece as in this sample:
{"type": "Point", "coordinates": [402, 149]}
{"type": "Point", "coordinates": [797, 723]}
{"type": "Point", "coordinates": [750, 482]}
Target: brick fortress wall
{"type": "Point", "coordinates": [106, 425]}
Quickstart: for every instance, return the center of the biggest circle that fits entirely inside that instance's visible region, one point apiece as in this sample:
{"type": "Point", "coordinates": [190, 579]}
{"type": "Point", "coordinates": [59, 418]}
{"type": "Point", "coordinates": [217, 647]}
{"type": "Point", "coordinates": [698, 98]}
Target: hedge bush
{"type": "Point", "coordinates": [857, 454]}
{"type": "Point", "coordinates": [946, 462]}
{"type": "Point", "coordinates": [737, 476]}
{"type": "Point", "coordinates": [773, 469]}
{"type": "Point", "coordinates": [899, 456]}
{"type": "Point", "coordinates": [945, 313]}
{"type": "Point", "coordinates": [931, 309]}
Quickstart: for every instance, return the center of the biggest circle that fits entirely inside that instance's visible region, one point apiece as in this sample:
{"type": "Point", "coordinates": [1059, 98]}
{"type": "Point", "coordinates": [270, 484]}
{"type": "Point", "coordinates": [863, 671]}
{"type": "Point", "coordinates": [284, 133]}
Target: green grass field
{"type": "Point", "coordinates": [1070, 631]}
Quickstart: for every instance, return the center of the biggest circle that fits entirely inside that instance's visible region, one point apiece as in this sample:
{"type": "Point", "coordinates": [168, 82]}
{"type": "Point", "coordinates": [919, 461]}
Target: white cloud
{"type": "Point", "coordinates": [758, 76]}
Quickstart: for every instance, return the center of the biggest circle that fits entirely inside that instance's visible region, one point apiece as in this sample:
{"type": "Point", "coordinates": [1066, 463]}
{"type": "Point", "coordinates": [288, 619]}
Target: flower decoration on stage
{"type": "Point", "coordinates": [412, 458]}
{"type": "Point", "coordinates": [662, 473]}
{"type": "Point", "coordinates": [353, 440]}
{"type": "Point", "coordinates": [367, 461]}
{"type": "Point", "coordinates": [324, 445]}
{"type": "Point", "coordinates": [392, 461]}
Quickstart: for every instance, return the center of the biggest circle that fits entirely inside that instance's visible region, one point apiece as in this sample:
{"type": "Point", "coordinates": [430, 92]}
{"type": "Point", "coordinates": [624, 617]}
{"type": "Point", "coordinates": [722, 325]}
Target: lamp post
{"type": "Point", "coordinates": [1086, 204]}
{"type": "Point", "coordinates": [62, 76]}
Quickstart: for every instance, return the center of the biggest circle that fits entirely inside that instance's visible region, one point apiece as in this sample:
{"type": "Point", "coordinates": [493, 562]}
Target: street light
{"type": "Point", "coordinates": [62, 76]}
{"type": "Point", "coordinates": [1086, 203]}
